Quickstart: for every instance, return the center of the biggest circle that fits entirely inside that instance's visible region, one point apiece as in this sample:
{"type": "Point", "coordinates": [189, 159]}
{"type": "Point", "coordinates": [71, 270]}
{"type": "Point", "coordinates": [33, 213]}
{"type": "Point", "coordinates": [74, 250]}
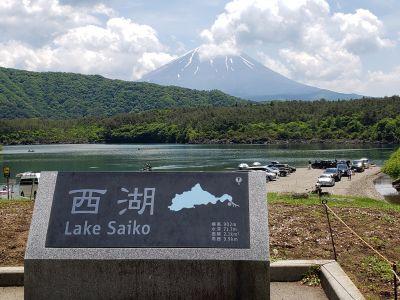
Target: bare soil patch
{"type": "Point", "coordinates": [15, 219]}
{"type": "Point", "coordinates": [301, 232]}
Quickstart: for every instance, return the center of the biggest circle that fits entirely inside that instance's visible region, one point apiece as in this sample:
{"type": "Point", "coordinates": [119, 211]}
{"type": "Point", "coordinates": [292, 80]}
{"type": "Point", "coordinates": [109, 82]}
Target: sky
{"type": "Point", "coordinates": [350, 46]}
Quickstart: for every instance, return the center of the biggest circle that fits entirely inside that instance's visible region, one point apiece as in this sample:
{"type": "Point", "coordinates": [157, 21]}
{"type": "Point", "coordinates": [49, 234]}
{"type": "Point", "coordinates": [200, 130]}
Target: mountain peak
{"type": "Point", "coordinates": [236, 74]}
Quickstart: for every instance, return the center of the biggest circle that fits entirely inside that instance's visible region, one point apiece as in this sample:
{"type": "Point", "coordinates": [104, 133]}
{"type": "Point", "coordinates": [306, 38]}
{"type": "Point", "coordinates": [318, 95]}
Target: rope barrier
{"type": "Point", "coordinates": [393, 265]}
{"type": "Point", "coordinates": [355, 233]}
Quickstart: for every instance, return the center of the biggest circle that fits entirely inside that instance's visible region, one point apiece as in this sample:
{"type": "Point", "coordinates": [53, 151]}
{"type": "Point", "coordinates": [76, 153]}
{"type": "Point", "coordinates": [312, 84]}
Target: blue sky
{"type": "Point", "coordinates": [346, 46]}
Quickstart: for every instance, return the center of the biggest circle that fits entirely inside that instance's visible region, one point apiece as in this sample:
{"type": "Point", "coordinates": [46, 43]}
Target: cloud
{"type": "Point", "coordinates": [273, 64]}
{"type": "Point", "coordinates": [380, 83]}
{"type": "Point", "coordinates": [315, 45]}
{"type": "Point", "coordinates": [361, 32]}
{"type": "Point", "coordinates": [74, 40]}
{"type": "Point", "coordinates": [38, 21]}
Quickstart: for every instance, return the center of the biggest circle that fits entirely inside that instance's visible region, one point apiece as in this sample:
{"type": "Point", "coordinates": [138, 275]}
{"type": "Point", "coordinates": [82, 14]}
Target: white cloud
{"type": "Point", "coordinates": [150, 61]}
{"type": "Point", "coordinates": [316, 46]}
{"type": "Point", "coordinates": [361, 32]}
{"type": "Point", "coordinates": [381, 83]}
{"type": "Point", "coordinates": [37, 21]}
{"type": "Point", "coordinates": [210, 50]}
{"type": "Point", "coordinates": [77, 41]}
{"type": "Point", "coordinates": [273, 64]}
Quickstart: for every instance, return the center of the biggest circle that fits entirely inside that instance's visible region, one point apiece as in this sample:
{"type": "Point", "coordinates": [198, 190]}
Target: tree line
{"type": "Point", "coordinates": [364, 120]}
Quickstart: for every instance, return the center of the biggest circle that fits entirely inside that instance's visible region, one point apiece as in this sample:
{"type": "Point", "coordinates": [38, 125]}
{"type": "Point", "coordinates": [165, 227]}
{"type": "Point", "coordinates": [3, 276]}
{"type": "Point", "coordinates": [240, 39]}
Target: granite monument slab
{"type": "Point", "coordinates": [103, 235]}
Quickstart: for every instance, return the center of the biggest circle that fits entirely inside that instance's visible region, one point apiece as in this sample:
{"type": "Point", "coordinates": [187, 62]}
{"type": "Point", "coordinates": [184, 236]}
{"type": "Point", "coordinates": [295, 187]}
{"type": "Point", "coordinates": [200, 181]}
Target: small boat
{"type": "Point", "coordinates": [396, 184]}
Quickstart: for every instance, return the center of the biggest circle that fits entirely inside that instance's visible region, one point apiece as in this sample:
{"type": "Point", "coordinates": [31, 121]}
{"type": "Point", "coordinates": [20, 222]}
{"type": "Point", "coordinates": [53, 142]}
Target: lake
{"type": "Point", "coordinates": [112, 157]}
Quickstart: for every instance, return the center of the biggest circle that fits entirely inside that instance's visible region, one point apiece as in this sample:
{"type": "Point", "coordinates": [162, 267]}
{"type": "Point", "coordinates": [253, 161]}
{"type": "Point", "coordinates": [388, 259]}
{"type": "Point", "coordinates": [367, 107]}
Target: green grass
{"type": "Point", "coordinates": [333, 201]}
{"type": "Point", "coordinates": [5, 202]}
{"type": "Point", "coordinates": [377, 267]}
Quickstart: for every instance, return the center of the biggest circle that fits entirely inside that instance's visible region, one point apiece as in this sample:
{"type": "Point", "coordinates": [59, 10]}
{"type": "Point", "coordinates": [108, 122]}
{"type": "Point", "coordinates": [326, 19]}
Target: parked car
{"type": "Point", "coordinates": [268, 175]}
{"type": "Point", "coordinates": [277, 163]}
{"type": "Point", "coordinates": [326, 180]}
{"type": "Point", "coordinates": [282, 172]}
{"type": "Point", "coordinates": [335, 173]}
{"type": "Point", "coordinates": [365, 162]}
{"type": "Point", "coordinates": [323, 164]}
{"type": "Point", "coordinates": [344, 161]}
{"type": "Point", "coordinates": [344, 169]}
{"type": "Point", "coordinates": [271, 170]}
{"type": "Point", "coordinates": [358, 166]}
{"type": "Point", "coordinates": [396, 184]}
{"type": "Point", "coordinates": [280, 167]}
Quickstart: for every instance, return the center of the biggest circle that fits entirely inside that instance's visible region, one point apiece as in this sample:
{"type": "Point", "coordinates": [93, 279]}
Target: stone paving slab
{"type": "Point", "coordinates": [295, 291]}
{"type": "Point", "coordinates": [279, 290]}
{"type": "Point", "coordinates": [12, 293]}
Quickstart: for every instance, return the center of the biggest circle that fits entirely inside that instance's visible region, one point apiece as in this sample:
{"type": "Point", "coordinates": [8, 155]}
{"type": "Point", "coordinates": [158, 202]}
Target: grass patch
{"type": "Point", "coordinates": [333, 201]}
{"type": "Point", "coordinates": [4, 203]}
{"type": "Point", "coordinates": [377, 267]}
{"type": "Point", "coordinates": [312, 277]}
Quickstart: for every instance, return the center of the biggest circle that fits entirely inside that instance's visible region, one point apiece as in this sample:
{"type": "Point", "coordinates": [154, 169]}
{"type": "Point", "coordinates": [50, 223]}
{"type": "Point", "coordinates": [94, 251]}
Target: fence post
{"type": "Point", "coordinates": [324, 203]}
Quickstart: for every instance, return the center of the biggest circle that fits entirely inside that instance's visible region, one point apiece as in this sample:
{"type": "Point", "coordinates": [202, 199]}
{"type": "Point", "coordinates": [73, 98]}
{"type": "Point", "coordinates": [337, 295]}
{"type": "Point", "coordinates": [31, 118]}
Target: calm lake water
{"type": "Point", "coordinates": [111, 157]}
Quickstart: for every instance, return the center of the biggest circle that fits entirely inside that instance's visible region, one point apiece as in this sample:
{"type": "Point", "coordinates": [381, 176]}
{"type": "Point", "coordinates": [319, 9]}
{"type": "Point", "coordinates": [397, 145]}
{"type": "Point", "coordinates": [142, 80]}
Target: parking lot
{"type": "Point", "coordinates": [304, 180]}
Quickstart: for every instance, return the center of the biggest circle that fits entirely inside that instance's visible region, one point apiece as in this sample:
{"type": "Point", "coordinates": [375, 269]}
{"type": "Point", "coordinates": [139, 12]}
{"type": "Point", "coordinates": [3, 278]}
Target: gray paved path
{"type": "Point", "coordinates": [279, 290]}
{"type": "Point", "coordinates": [295, 291]}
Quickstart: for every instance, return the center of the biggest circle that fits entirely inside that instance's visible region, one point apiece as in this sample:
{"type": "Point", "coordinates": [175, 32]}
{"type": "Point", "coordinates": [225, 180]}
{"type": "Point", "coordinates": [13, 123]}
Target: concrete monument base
{"type": "Point", "coordinates": [153, 279]}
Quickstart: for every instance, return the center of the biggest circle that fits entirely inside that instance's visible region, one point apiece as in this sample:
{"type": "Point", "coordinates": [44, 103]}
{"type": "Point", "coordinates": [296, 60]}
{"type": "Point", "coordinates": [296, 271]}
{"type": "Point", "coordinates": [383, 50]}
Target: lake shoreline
{"type": "Point", "coordinates": [217, 142]}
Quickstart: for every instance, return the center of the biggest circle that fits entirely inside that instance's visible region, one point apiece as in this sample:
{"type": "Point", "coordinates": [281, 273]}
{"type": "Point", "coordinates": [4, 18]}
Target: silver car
{"type": "Point", "coordinates": [326, 180]}
{"type": "Point", "coordinates": [365, 162]}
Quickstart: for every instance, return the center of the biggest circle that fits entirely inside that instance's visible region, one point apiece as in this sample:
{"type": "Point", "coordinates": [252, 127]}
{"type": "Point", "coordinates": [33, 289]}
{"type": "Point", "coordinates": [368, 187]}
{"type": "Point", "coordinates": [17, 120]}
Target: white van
{"type": "Point", "coordinates": [28, 183]}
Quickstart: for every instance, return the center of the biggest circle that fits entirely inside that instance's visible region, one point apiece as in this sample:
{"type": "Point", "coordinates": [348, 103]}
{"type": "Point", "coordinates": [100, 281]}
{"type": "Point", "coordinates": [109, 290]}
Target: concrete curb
{"type": "Point", "coordinates": [335, 282]}
{"type": "Point", "coordinates": [293, 270]}
{"type": "Point", "coordinates": [11, 276]}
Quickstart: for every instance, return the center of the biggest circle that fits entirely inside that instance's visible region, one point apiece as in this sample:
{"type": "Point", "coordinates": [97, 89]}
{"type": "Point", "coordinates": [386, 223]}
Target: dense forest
{"type": "Point", "coordinates": [26, 94]}
{"type": "Point", "coordinates": [392, 165]}
{"type": "Point", "coordinates": [364, 120]}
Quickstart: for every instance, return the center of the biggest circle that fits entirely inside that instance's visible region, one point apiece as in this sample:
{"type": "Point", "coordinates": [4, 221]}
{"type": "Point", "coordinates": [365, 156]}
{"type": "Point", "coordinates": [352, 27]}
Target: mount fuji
{"type": "Point", "coordinates": [237, 75]}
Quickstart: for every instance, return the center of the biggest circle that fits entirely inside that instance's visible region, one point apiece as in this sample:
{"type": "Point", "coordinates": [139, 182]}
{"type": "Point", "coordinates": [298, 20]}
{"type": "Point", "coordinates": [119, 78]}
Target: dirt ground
{"type": "Point", "coordinates": [296, 232]}
{"type": "Point", "coordinates": [304, 180]}
{"type": "Point", "coordinates": [302, 232]}
{"type": "Point", "coordinates": [15, 219]}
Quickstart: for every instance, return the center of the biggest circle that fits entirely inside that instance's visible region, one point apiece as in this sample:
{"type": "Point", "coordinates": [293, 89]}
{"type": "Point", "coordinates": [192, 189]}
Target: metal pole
{"type": "Point", "coordinates": [395, 280]}
{"type": "Point", "coordinates": [330, 228]}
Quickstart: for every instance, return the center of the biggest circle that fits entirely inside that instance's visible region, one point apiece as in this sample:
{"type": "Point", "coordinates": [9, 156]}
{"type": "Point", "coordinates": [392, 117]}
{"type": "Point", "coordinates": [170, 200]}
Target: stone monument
{"type": "Point", "coordinates": [149, 235]}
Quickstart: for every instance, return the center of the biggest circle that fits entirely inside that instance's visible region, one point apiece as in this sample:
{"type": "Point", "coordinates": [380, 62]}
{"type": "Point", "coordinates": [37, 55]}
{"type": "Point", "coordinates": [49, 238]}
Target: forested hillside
{"type": "Point", "coordinates": [367, 120]}
{"type": "Point", "coordinates": [26, 94]}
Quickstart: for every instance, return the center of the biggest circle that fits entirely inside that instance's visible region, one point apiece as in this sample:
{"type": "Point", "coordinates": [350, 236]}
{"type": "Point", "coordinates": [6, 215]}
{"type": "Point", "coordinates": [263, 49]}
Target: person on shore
{"type": "Point", "coordinates": [309, 164]}
{"type": "Point", "coordinates": [349, 173]}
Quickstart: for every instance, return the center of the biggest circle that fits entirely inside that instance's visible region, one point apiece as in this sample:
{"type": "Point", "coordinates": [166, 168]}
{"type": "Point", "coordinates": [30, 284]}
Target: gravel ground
{"type": "Point", "coordinates": [303, 181]}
